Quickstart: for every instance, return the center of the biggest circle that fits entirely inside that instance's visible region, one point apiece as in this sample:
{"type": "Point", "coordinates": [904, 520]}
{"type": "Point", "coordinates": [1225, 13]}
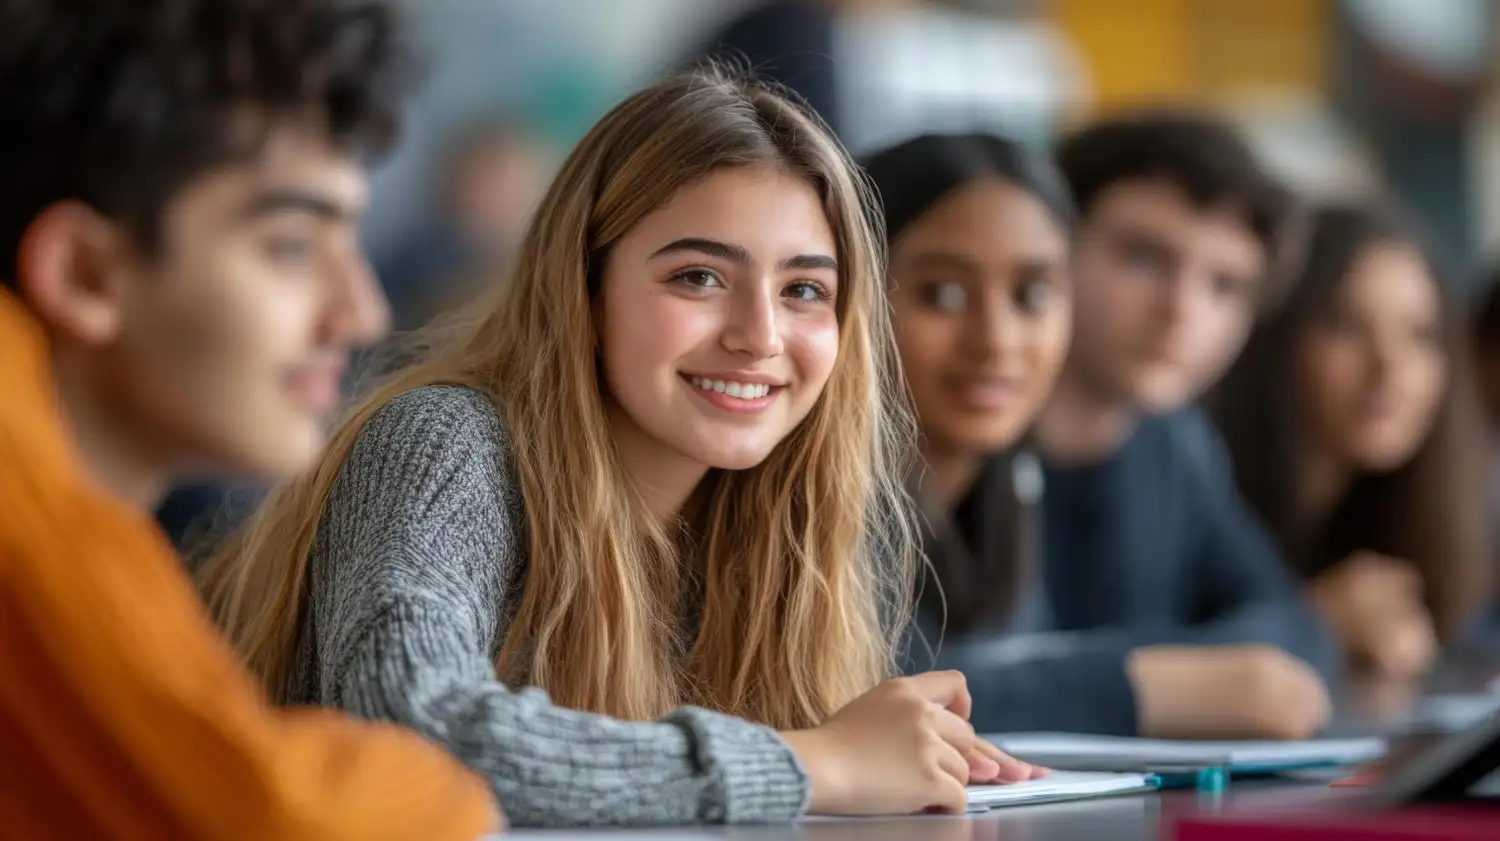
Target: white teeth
{"type": "Point", "coordinates": [742, 391]}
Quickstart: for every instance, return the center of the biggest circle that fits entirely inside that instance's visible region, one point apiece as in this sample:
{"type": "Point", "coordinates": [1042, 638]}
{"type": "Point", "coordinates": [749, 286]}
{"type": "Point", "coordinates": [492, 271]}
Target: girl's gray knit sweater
{"type": "Point", "coordinates": [418, 564]}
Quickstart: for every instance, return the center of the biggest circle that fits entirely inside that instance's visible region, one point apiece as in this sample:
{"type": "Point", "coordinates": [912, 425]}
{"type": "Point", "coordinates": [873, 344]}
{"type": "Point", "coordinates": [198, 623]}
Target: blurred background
{"type": "Point", "coordinates": [1341, 95]}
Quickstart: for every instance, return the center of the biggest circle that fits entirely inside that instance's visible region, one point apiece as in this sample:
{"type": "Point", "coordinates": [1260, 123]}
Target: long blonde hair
{"type": "Point", "coordinates": [804, 561]}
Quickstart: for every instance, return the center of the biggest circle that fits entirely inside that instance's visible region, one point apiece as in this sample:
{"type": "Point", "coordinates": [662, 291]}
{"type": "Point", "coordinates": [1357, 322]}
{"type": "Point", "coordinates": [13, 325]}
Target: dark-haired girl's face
{"type": "Point", "coordinates": [1372, 369]}
{"type": "Point", "coordinates": [983, 314]}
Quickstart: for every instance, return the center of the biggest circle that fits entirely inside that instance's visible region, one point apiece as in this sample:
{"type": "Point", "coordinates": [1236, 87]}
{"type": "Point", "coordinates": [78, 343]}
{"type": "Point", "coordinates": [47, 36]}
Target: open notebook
{"type": "Point", "coordinates": [1060, 785]}
{"type": "Point", "coordinates": [1118, 753]}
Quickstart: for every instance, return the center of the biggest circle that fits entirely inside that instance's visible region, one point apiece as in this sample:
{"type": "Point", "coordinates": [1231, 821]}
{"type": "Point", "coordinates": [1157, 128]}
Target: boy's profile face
{"type": "Point", "coordinates": [221, 349]}
{"type": "Point", "coordinates": [1164, 293]}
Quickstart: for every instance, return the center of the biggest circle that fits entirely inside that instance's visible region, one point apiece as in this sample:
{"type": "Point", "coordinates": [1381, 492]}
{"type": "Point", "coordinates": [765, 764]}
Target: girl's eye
{"type": "Point", "coordinates": [698, 278]}
{"type": "Point", "coordinates": [1033, 296]}
{"type": "Point", "coordinates": [945, 296]}
{"type": "Point", "coordinates": [809, 291]}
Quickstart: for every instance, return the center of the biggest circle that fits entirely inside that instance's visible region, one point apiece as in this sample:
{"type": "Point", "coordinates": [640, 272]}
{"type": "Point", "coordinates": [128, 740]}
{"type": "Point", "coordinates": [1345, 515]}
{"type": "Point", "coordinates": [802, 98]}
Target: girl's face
{"type": "Point", "coordinates": [983, 314]}
{"type": "Point", "coordinates": [1372, 371]}
{"type": "Point", "coordinates": [717, 319]}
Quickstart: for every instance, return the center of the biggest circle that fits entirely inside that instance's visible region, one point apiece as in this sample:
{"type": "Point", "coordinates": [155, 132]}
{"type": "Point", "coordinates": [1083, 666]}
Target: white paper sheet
{"type": "Point", "coordinates": [1059, 785]}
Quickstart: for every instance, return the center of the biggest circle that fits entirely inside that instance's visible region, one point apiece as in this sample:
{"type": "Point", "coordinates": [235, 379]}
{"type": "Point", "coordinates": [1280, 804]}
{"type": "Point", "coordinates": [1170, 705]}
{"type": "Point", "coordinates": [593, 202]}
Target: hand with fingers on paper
{"type": "Point", "coordinates": [905, 746]}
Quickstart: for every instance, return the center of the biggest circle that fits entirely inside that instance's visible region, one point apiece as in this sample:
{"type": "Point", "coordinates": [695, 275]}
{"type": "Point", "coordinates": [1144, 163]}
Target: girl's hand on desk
{"type": "Point", "coordinates": [988, 765]}
{"type": "Point", "coordinates": [905, 746]}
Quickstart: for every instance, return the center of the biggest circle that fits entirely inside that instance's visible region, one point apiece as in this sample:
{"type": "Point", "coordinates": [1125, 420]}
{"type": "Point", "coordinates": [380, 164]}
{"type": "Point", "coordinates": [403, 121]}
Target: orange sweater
{"type": "Point", "coordinates": [122, 714]}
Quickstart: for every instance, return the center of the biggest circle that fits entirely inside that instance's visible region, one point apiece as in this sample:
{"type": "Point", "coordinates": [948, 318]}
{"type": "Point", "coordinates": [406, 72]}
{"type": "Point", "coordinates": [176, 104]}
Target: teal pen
{"type": "Point", "coordinates": [1209, 779]}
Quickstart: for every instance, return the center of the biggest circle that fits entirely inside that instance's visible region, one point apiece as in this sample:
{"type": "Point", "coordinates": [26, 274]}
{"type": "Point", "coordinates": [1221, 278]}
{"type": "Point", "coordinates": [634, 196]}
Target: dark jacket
{"type": "Point", "coordinates": [1152, 546]}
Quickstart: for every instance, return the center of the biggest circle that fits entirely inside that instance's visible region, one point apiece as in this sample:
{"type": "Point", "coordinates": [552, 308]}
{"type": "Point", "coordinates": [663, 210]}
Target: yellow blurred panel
{"type": "Point", "coordinates": [1262, 44]}
{"type": "Point", "coordinates": [1197, 50]}
{"type": "Point", "coordinates": [1134, 50]}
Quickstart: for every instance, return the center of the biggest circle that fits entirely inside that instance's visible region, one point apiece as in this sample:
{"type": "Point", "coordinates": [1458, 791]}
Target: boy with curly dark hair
{"type": "Point", "coordinates": [179, 192]}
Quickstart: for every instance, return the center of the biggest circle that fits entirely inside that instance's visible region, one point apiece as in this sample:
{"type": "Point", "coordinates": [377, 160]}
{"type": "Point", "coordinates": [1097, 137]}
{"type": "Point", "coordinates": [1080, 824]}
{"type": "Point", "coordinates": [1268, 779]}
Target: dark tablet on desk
{"type": "Point", "coordinates": [1464, 766]}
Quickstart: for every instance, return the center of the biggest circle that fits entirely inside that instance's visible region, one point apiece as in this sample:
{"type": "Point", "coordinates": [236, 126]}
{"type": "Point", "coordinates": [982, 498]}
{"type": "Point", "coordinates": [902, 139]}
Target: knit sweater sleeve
{"type": "Point", "coordinates": [419, 559]}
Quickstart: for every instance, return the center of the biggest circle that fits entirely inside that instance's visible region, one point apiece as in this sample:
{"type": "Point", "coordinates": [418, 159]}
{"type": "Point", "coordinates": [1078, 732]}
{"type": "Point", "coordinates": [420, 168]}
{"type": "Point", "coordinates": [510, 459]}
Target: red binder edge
{"type": "Point", "coordinates": [1451, 823]}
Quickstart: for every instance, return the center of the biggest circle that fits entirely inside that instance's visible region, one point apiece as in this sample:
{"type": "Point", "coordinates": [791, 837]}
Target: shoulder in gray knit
{"type": "Point", "coordinates": [418, 564]}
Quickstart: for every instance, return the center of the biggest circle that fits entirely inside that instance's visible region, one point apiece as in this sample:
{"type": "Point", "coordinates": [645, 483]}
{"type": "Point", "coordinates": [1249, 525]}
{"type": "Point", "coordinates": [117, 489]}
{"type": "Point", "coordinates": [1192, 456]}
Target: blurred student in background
{"type": "Point", "coordinates": [697, 545]}
{"type": "Point", "coordinates": [181, 282]}
{"type": "Point", "coordinates": [1180, 229]}
{"type": "Point", "coordinates": [981, 294]}
{"type": "Point", "coordinates": [489, 180]}
{"type": "Point", "coordinates": [1349, 419]}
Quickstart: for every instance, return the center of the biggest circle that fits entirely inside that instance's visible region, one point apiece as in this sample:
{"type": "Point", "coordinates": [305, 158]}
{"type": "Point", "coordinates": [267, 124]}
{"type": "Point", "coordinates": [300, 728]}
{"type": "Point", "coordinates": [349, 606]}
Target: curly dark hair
{"type": "Point", "coordinates": [1204, 157]}
{"type": "Point", "coordinates": [120, 105]}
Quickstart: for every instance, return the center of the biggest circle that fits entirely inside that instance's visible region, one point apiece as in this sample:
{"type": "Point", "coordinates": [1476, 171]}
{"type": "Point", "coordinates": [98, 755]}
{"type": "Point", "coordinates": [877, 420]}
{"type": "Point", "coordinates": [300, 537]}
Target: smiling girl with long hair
{"type": "Point", "coordinates": [660, 480]}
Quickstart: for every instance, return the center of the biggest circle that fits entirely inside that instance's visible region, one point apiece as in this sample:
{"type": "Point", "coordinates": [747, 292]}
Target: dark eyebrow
{"type": "Point", "coordinates": [808, 263]}
{"type": "Point", "coordinates": [281, 200]}
{"type": "Point", "coordinates": [1131, 237]}
{"type": "Point", "coordinates": [1034, 269]}
{"type": "Point", "coordinates": [942, 260]}
{"type": "Point", "coordinates": [739, 256]}
{"type": "Point", "coordinates": [711, 247]}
